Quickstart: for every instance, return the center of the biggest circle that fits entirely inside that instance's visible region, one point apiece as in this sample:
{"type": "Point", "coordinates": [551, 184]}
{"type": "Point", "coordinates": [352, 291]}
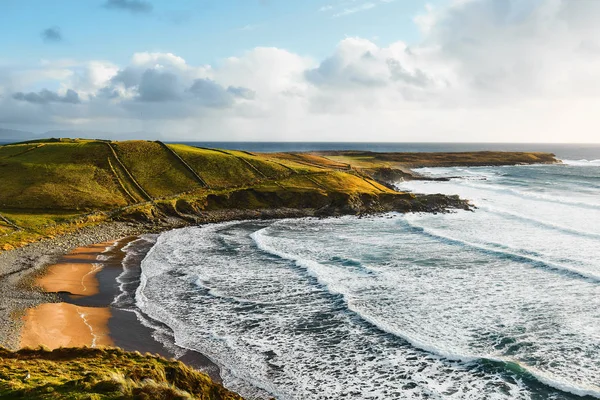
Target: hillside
{"type": "Point", "coordinates": [101, 374]}
{"type": "Point", "coordinates": [54, 186]}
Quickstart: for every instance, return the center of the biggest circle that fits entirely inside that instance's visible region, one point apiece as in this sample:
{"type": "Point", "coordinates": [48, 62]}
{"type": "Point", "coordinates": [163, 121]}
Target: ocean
{"type": "Point", "coordinates": [499, 303]}
{"type": "Point", "coordinates": [563, 151]}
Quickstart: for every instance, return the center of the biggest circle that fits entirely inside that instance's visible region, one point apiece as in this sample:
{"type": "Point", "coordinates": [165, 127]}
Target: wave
{"type": "Point", "coordinates": [131, 265]}
{"type": "Point", "coordinates": [582, 163]}
{"type": "Point", "coordinates": [505, 253]}
{"type": "Point", "coordinates": [508, 365]}
{"type": "Point", "coordinates": [105, 256]}
{"type": "Point", "coordinates": [531, 195]}
{"type": "Point", "coordinates": [216, 293]}
{"type": "Point", "coordinates": [316, 270]}
{"type": "Point", "coordinates": [545, 224]}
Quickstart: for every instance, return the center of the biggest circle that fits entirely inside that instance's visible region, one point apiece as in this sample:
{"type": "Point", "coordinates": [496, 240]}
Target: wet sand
{"type": "Point", "coordinates": [85, 281]}
{"type": "Point", "coordinates": [68, 324]}
{"type": "Point", "coordinates": [75, 274]}
{"type": "Point", "coordinates": [56, 325]}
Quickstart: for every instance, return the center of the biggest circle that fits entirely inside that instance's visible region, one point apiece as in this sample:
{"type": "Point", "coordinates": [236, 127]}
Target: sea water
{"type": "Point", "coordinates": [499, 303]}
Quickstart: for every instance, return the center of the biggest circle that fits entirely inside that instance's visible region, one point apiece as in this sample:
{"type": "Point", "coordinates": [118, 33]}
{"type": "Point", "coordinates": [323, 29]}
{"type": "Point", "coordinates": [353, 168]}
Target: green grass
{"type": "Point", "coordinates": [265, 165]}
{"type": "Point", "coordinates": [101, 374]}
{"type": "Point", "coordinates": [364, 159]}
{"type": "Point", "coordinates": [158, 172]}
{"type": "Point", "coordinates": [36, 219]}
{"type": "Point", "coordinates": [11, 151]}
{"type": "Point", "coordinates": [219, 170]}
{"type": "Point", "coordinates": [59, 176]}
{"type": "Point", "coordinates": [5, 229]}
{"type": "Point", "coordinates": [35, 225]}
{"type": "Point", "coordinates": [349, 183]}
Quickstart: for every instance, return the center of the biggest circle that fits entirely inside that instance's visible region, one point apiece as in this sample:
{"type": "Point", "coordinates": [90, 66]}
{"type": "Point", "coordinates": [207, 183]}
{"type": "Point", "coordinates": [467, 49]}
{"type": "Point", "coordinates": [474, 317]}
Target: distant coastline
{"type": "Point", "coordinates": [570, 151]}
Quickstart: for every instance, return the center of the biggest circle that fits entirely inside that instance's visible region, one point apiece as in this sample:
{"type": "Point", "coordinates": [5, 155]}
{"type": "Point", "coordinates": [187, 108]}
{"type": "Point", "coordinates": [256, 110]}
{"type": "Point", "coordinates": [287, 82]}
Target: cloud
{"type": "Point", "coordinates": [347, 7]}
{"type": "Point", "coordinates": [485, 70]}
{"type": "Point", "coordinates": [354, 10]}
{"type": "Point", "coordinates": [133, 6]}
{"type": "Point", "coordinates": [211, 94]}
{"type": "Point", "coordinates": [242, 92]}
{"type": "Point", "coordinates": [52, 35]}
{"type": "Point", "coordinates": [46, 96]}
{"type": "Point", "coordinates": [157, 86]}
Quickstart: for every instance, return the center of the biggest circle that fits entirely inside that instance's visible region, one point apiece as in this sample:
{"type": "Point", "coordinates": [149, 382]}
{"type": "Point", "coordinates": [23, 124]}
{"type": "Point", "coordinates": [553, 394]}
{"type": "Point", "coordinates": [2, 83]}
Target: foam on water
{"type": "Point", "coordinates": [582, 163]}
{"type": "Point", "coordinates": [502, 303]}
{"type": "Point", "coordinates": [128, 279]}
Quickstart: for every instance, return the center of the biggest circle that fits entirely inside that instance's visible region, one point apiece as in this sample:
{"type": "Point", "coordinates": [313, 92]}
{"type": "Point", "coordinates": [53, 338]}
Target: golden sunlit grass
{"type": "Point", "coordinates": [86, 373]}
{"type": "Point", "coordinates": [365, 159]}
{"type": "Point", "coordinates": [218, 169]}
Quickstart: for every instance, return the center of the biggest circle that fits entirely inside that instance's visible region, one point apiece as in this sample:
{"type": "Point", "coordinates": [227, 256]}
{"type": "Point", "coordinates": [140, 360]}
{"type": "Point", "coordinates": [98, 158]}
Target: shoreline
{"type": "Point", "coordinates": [19, 267]}
{"type": "Point", "coordinates": [92, 319]}
{"type": "Point", "coordinates": [80, 312]}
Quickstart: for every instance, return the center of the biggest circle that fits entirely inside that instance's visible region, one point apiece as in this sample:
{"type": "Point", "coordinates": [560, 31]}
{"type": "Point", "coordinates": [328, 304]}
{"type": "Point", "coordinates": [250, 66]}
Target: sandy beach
{"type": "Point", "coordinates": [76, 272]}
{"type": "Point", "coordinates": [85, 282]}
{"type": "Point", "coordinates": [55, 325]}
{"type": "Point", "coordinates": [66, 324]}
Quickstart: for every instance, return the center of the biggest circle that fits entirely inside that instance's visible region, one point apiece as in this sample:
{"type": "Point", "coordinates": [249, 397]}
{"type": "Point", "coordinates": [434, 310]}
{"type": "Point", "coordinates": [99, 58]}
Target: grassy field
{"type": "Point", "coordinates": [156, 170]}
{"type": "Point", "coordinates": [80, 374]}
{"type": "Point", "coordinates": [366, 159]}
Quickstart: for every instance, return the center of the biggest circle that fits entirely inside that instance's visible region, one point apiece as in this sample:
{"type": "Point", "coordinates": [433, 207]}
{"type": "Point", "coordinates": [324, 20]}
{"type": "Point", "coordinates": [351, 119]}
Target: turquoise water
{"type": "Point", "coordinates": [500, 303]}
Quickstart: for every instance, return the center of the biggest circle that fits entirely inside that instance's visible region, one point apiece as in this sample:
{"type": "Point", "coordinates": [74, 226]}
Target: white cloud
{"type": "Point", "coordinates": [348, 7]}
{"type": "Point", "coordinates": [486, 70]}
{"type": "Point", "coordinates": [353, 10]}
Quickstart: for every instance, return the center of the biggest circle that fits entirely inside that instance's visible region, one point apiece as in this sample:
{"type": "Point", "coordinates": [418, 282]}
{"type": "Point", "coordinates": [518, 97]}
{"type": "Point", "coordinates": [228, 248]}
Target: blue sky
{"type": "Point", "coordinates": [314, 70]}
{"type": "Point", "coordinates": [201, 31]}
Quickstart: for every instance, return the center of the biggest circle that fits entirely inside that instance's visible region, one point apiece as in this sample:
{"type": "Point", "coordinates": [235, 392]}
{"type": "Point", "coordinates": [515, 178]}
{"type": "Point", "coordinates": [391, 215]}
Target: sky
{"type": "Point", "coordinates": [304, 70]}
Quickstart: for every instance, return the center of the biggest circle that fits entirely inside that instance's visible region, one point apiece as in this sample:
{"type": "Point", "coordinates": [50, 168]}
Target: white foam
{"type": "Point", "coordinates": [355, 293]}
{"type": "Point", "coordinates": [104, 256]}
{"type": "Point", "coordinates": [582, 163]}
{"type": "Point", "coordinates": [83, 317]}
{"type": "Point", "coordinates": [130, 250]}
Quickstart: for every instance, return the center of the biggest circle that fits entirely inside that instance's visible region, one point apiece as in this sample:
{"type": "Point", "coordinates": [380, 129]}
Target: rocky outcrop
{"type": "Point", "coordinates": [253, 204]}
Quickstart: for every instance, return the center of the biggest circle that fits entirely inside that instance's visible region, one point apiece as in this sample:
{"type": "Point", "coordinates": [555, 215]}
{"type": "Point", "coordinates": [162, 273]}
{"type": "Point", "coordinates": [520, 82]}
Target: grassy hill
{"type": "Point", "coordinates": [101, 374]}
{"type": "Point", "coordinates": [49, 187]}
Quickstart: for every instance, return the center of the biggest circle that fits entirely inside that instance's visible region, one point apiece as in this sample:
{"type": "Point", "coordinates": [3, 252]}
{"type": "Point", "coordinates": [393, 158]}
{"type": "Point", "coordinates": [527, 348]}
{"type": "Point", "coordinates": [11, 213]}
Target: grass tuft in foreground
{"type": "Point", "coordinates": [85, 373]}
